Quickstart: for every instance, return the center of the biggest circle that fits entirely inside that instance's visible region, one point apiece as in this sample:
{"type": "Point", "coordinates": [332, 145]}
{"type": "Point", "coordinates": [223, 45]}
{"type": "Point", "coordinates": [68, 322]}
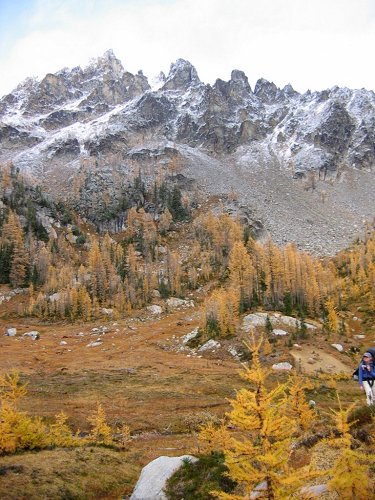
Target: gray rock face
{"type": "Point", "coordinates": [181, 75]}
{"type": "Point", "coordinates": [154, 477]}
{"type": "Point", "coordinates": [266, 91]}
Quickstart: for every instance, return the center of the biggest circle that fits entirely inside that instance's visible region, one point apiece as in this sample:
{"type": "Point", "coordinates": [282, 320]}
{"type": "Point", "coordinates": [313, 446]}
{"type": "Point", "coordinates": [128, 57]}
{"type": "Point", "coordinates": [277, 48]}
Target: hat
{"type": "Point", "coordinates": [368, 355]}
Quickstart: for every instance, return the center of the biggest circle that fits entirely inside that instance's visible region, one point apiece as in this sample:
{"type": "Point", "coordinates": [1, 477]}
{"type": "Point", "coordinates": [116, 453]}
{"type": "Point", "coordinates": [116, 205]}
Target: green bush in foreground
{"type": "Point", "coordinates": [195, 481]}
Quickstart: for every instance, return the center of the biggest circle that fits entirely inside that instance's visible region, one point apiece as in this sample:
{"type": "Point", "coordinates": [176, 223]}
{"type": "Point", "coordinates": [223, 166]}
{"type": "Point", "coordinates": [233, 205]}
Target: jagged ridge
{"type": "Point", "coordinates": [102, 112]}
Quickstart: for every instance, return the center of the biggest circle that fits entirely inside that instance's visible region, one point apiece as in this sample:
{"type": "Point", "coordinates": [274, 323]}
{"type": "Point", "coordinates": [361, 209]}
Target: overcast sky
{"type": "Point", "coordinates": [312, 44]}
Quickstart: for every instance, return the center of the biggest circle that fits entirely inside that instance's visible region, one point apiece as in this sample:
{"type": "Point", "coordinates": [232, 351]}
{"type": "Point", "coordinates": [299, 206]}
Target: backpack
{"type": "Point", "coordinates": [371, 350]}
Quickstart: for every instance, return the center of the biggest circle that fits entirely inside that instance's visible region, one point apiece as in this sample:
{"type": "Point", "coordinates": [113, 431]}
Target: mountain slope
{"type": "Point", "coordinates": [303, 164]}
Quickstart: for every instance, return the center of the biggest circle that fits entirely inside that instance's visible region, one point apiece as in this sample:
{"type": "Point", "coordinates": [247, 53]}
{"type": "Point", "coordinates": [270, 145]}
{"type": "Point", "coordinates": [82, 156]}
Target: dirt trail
{"type": "Point", "coordinates": [312, 359]}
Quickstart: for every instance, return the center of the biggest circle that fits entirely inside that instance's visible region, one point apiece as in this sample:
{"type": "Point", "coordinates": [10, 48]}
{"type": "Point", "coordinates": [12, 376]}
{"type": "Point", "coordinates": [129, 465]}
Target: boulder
{"type": "Point", "coordinates": [258, 490]}
{"type": "Point", "coordinates": [232, 350]}
{"type": "Point", "coordinates": [260, 318]}
{"type": "Point", "coordinates": [174, 302]}
{"type": "Point", "coordinates": [94, 344]}
{"type": "Point", "coordinates": [210, 345]}
{"type": "Point", "coordinates": [11, 332]}
{"type": "Point", "coordinates": [290, 321]}
{"type": "Point", "coordinates": [256, 319]}
{"type": "Point", "coordinates": [101, 330]}
{"type": "Point", "coordinates": [34, 335]}
{"type": "Point", "coordinates": [339, 347]}
{"type": "Point", "coordinates": [54, 297]}
{"type": "Point", "coordinates": [280, 333]}
{"type": "Point", "coordinates": [154, 309]}
{"type": "Point", "coordinates": [155, 475]}
{"type": "Point", "coordinates": [282, 366]}
{"type": "Point", "coordinates": [189, 336]}
{"type": "Point", "coordinates": [314, 491]}
{"type": "Point", "coordinates": [106, 311]}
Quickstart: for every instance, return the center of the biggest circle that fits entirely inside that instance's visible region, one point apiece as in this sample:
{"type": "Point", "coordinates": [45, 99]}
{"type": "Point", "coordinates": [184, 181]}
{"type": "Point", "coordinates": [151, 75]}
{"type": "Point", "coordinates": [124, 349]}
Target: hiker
{"type": "Point", "coordinates": [366, 377]}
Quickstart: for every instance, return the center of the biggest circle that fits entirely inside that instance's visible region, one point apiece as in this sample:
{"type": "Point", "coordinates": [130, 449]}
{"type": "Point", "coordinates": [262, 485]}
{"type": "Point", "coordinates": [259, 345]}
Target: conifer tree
{"type": "Point", "coordinates": [241, 273]}
{"type": "Point", "coordinates": [17, 429]}
{"type": "Point", "coordinates": [299, 409]}
{"type": "Point", "coordinates": [60, 433]}
{"type": "Point", "coordinates": [12, 233]}
{"type": "Point", "coordinates": [267, 348]}
{"type": "Point", "coordinates": [260, 451]}
{"type": "Point", "coordinates": [332, 319]}
{"type": "Point", "coordinates": [165, 221]}
{"type": "Point", "coordinates": [350, 477]}
{"type": "Point", "coordinates": [101, 432]}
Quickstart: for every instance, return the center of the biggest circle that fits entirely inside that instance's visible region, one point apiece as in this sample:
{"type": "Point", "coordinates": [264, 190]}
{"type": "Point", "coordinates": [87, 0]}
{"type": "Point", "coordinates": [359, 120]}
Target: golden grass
{"type": "Point", "coordinates": [138, 380]}
{"type": "Point", "coordinates": [80, 473]}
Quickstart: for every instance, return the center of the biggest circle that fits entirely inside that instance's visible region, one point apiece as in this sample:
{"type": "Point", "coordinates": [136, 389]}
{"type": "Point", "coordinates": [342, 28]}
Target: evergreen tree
{"type": "Point", "coordinates": [176, 208]}
{"type": "Point", "coordinates": [350, 473]}
{"type": "Point", "coordinates": [332, 319]}
{"type": "Point", "coordinates": [260, 450]}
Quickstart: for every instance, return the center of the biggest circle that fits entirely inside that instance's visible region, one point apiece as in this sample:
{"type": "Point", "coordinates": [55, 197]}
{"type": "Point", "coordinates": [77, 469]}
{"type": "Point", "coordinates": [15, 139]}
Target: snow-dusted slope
{"type": "Point", "coordinates": [283, 152]}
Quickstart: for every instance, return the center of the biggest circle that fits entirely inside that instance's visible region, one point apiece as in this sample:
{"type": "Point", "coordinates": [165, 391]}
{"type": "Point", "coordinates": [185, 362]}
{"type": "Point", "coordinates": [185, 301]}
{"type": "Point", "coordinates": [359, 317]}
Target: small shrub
{"type": "Point", "coordinates": [196, 481]}
{"type": "Point", "coordinates": [101, 433]}
{"type": "Point", "coordinates": [81, 239]}
{"type": "Point", "coordinates": [194, 421]}
{"type": "Point", "coordinates": [361, 416]}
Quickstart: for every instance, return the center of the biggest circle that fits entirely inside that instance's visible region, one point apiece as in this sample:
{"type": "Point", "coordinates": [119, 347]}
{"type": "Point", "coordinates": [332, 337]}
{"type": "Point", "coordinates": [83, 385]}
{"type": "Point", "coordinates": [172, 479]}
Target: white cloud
{"type": "Point", "coordinates": [311, 44]}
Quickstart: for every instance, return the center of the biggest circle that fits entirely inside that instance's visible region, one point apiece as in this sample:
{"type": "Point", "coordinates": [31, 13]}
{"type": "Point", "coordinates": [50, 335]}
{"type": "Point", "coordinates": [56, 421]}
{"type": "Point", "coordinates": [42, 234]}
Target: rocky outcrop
{"type": "Point", "coordinates": [155, 475]}
{"type": "Point", "coordinates": [181, 76]}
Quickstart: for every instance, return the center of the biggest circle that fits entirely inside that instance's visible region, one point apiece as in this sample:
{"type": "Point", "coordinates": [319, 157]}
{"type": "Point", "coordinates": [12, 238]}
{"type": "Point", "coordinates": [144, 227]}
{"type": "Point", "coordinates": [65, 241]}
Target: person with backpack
{"type": "Point", "coordinates": [366, 376]}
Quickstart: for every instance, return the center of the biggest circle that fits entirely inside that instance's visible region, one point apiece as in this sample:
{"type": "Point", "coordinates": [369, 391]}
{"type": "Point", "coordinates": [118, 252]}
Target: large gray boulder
{"type": "Point", "coordinates": [155, 475]}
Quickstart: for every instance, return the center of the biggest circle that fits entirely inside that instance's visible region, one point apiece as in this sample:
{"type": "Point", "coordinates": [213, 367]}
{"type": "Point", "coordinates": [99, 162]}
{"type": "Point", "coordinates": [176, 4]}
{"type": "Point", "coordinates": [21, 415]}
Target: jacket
{"type": "Point", "coordinates": [364, 374]}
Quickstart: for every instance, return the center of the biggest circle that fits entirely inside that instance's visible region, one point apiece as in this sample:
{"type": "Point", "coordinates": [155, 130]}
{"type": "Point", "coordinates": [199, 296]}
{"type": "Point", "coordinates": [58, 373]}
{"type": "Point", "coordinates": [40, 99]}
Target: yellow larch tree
{"type": "Point", "coordinates": [241, 273]}
{"type": "Point", "coordinates": [332, 318]}
{"type": "Point", "coordinates": [276, 272]}
{"type": "Point", "coordinates": [101, 432]}
{"type": "Point", "coordinates": [299, 409]}
{"type": "Point", "coordinates": [350, 473]}
{"type": "Point", "coordinates": [13, 234]}
{"type": "Point", "coordinates": [99, 285]}
{"type": "Point", "coordinates": [60, 433]}
{"type": "Point", "coordinates": [165, 221]}
{"type": "Point", "coordinates": [174, 272]}
{"type": "Point", "coordinates": [220, 312]}
{"type": "Point", "coordinates": [259, 450]}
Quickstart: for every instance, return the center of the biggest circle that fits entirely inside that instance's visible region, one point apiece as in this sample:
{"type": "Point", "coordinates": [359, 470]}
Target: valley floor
{"type": "Point", "coordinates": [142, 378]}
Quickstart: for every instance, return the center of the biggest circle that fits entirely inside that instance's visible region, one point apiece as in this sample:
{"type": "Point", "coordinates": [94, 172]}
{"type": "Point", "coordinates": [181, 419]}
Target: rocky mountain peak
{"type": "Point", "coordinates": [182, 75]}
{"type": "Point", "coordinates": [108, 64]}
{"type": "Point", "coordinates": [239, 80]}
{"type": "Point", "coordinates": [289, 91]}
{"type": "Point", "coordinates": [266, 91]}
{"type": "Point", "coordinates": [158, 81]}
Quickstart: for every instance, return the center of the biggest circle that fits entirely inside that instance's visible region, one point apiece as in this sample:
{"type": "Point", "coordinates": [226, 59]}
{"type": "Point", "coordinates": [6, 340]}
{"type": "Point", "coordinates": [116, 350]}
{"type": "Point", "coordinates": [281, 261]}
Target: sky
{"type": "Point", "coordinates": [311, 44]}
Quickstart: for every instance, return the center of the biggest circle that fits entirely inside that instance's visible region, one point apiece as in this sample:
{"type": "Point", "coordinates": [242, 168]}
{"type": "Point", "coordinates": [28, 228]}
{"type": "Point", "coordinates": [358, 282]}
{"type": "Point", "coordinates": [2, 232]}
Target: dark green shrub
{"type": "Point", "coordinates": [196, 481]}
